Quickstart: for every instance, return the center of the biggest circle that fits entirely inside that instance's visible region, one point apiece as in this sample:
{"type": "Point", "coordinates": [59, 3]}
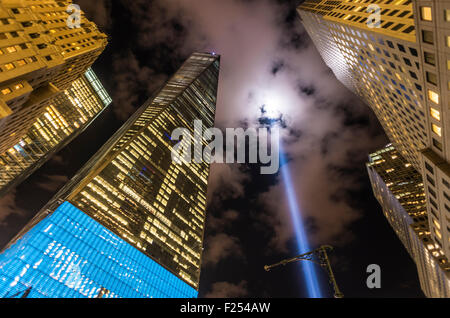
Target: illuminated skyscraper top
{"type": "Point", "coordinates": [132, 190]}
{"type": "Point", "coordinates": [400, 68]}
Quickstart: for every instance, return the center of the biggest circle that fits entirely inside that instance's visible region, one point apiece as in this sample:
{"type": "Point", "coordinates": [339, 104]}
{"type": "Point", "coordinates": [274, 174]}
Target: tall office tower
{"type": "Point", "coordinates": [131, 221]}
{"type": "Point", "coordinates": [65, 117]}
{"type": "Point", "coordinates": [399, 189]}
{"type": "Point", "coordinates": [400, 68]}
{"type": "Point", "coordinates": [41, 54]}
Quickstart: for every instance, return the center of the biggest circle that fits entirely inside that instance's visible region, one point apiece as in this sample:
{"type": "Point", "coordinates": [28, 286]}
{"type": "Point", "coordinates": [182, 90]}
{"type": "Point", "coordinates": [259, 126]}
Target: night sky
{"type": "Point", "coordinates": [267, 59]}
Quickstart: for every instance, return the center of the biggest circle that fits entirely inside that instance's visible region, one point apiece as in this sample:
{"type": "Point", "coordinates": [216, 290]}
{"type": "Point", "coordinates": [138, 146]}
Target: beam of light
{"type": "Point", "coordinates": [309, 270]}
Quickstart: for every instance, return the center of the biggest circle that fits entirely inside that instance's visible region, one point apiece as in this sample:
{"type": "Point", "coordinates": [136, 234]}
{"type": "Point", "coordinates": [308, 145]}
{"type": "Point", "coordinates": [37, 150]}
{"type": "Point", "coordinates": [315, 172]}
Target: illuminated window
{"type": "Point", "coordinates": [438, 234]}
{"type": "Point", "coordinates": [11, 49]}
{"type": "Point", "coordinates": [9, 66]}
{"type": "Point", "coordinates": [435, 114]}
{"type": "Point", "coordinates": [437, 130]}
{"type": "Point", "coordinates": [426, 13]}
{"type": "Point", "coordinates": [438, 226]}
{"type": "Point", "coordinates": [18, 86]}
{"type": "Point", "coordinates": [448, 41]}
{"type": "Point", "coordinates": [21, 62]}
{"type": "Point", "coordinates": [6, 91]}
{"type": "Point", "coordinates": [433, 96]}
{"type": "Point", "coordinates": [447, 15]}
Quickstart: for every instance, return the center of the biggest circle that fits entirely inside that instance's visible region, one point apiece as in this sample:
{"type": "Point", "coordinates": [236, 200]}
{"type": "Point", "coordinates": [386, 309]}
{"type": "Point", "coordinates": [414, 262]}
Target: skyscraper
{"type": "Point", "coordinates": [65, 117]}
{"type": "Point", "coordinates": [131, 221]}
{"type": "Point", "coordinates": [41, 54]}
{"type": "Point", "coordinates": [399, 189]}
{"type": "Point", "coordinates": [400, 68]}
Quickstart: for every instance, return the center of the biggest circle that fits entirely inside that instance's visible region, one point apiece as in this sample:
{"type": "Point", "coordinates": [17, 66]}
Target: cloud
{"type": "Point", "coordinates": [228, 290]}
{"type": "Point", "coordinates": [52, 183]}
{"type": "Point", "coordinates": [131, 81]}
{"type": "Point", "coordinates": [8, 206]}
{"type": "Point", "coordinates": [226, 181]}
{"type": "Point", "coordinates": [58, 160]}
{"type": "Point", "coordinates": [98, 11]}
{"type": "Point", "coordinates": [158, 23]}
{"type": "Point", "coordinates": [223, 220]}
{"type": "Point", "coordinates": [221, 246]}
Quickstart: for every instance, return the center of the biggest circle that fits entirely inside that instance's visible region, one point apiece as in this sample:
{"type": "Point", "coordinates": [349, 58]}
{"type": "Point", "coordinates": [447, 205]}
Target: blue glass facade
{"type": "Point", "coordinates": [69, 255]}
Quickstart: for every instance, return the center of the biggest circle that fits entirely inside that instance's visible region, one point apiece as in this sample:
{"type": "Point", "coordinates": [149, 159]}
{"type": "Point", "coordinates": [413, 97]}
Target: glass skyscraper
{"type": "Point", "coordinates": [65, 117]}
{"type": "Point", "coordinates": [131, 222]}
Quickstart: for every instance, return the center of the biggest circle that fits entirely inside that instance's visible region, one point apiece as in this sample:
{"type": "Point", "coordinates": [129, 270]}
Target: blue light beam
{"type": "Point", "coordinates": [309, 270]}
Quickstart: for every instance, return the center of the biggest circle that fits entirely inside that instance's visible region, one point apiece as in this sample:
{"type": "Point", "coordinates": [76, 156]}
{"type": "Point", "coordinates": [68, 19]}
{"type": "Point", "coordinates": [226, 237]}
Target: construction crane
{"type": "Point", "coordinates": [319, 257]}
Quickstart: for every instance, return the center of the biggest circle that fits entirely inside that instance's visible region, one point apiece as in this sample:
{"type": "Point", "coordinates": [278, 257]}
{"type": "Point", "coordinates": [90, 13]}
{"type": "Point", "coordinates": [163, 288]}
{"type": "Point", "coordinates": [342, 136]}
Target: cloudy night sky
{"type": "Point", "coordinates": [267, 58]}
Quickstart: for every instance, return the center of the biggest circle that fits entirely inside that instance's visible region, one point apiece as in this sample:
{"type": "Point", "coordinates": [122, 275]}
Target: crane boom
{"type": "Point", "coordinates": [318, 256]}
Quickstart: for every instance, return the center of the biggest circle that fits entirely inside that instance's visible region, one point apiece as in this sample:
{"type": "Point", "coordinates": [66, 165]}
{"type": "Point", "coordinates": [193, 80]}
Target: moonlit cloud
{"type": "Point", "coordinates": [221, 221]}
{"type": "Point", "coordinates": [226, 181]}
{"type": "Point", "coordinates": [221, 246]}
{"type": "Point", "coordinates": [131, 78]}
{"type": "Point", "coordinates": [228, 290]}
{"type": "Point", "coordinates": [98, 11]}
{"type": "Point", "coordinates": [51, 183]}
{"type": "Point", "coordinates": [8, 207]}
